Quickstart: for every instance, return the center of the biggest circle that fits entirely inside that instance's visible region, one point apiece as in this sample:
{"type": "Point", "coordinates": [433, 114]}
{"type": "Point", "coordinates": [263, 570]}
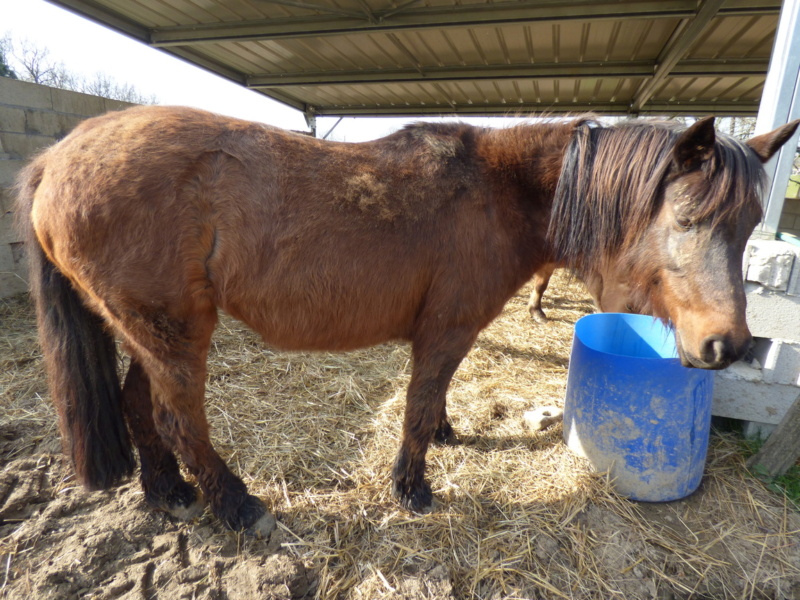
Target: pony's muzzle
{"type": "Point", "coordinates": [716, 351]}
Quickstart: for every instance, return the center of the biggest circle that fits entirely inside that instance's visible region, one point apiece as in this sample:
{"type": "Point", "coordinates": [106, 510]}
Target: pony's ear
{"type": "Point", "coordinates": [694, 145]}
{"type": "Point", "coordinates": [767, 144]}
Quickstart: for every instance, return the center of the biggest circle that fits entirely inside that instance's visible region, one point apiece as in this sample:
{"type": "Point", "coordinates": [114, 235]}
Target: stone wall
{"type": "Point", "coordinates": [31, 118]}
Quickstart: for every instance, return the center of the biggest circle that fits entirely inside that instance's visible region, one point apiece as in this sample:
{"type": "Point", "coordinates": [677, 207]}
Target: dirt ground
{"type": "Point", "coordinates": [517, 514]}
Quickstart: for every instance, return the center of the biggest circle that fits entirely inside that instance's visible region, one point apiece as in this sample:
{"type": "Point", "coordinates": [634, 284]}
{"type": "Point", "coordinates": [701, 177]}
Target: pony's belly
{"type": "Point", "coordinates": [324, 328]}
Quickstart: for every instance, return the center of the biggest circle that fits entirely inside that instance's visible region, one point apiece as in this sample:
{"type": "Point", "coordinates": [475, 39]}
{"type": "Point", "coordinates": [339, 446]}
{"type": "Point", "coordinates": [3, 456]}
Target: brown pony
{"type": "Point", "coordinates": [143, 223]}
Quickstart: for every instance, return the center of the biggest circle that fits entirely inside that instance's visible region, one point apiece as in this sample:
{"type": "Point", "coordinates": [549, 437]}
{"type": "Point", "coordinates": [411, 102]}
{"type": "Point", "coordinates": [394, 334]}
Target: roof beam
{"type": "Point", "coordinates": [101, 14]}
{"type": "Point", "coordinates": [436, 17]}
{"type": "Point", "coordinates": [582, 70]}
{"type": "Point", "coordinates": [685, 35]}
{"type": "Point", "coordinates": [531, 109]}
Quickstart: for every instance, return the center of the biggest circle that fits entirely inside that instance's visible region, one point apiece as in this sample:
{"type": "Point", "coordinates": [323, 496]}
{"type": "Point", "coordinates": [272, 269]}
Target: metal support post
{"type": "Point", "coordinates": [311, 120]}
{"type": "Point", "coordinates": [780, 103]}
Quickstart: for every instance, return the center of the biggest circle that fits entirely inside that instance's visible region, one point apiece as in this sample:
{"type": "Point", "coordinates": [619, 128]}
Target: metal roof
{"type": "Point", "coordinates": [412, 57]}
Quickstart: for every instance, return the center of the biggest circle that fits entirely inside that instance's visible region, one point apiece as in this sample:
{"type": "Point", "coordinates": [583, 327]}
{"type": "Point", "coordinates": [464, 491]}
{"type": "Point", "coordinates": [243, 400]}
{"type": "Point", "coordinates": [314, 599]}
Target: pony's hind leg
{"type": "Point", "coordinates": [225, 492]}
{"type": "Point", "coordinates": [173, 353]}
{"type": "Point", "coordinates": [164, 488]}
{"type": "Point", "coordinates": [541, 279]}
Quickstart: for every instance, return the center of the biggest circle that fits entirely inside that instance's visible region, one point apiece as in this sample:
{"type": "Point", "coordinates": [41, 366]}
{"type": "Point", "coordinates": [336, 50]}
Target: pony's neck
{"type": "Point", "coordinates": [528, 155]}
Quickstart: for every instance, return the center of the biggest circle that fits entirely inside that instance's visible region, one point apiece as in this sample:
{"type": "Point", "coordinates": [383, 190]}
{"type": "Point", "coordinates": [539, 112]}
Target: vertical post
{"type": "Point", "coordinates": [780, 103]}
{"type": "Point", "coordinates": [311, 120]}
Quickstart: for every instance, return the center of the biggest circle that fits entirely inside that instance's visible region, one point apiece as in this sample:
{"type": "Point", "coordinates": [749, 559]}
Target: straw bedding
{"type": "Point", "coordinates": [517, 514]}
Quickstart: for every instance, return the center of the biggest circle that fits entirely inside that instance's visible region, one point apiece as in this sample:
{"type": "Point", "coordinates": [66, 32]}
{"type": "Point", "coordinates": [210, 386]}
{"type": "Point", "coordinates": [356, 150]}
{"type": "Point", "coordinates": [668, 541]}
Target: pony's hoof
{"type": "Point", "coordinates": [182, 502]}
{"type": "Point", "coordinates": [445, 436]}
{"type": "Point", "coordinates": [187, 513]}
{"type": "Point", "coordinates": [252, 517]}
{"type": "Point", "coordinates": [418, 499]}
{"type": "Point", "coordinates": [264, 527]}
{"type": "Point", "coordinates": [539, 316]}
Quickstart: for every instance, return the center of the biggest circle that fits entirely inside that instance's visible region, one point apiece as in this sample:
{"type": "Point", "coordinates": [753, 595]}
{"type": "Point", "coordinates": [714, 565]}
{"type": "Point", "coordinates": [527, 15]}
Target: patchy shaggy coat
{"type": "Point", "coordinates": [143, 223]}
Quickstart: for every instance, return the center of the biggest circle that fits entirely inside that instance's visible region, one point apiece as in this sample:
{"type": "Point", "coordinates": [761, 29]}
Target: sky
{"type": "Point", "coordinates": [87, 48]}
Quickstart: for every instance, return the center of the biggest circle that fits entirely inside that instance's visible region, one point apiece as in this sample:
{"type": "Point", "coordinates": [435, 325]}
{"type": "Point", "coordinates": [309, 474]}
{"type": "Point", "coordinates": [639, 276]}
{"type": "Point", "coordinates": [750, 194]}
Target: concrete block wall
{"type": "Point", "coordinates": [32, 117]}
{"type": "Point", "coordinates": [761, 389]}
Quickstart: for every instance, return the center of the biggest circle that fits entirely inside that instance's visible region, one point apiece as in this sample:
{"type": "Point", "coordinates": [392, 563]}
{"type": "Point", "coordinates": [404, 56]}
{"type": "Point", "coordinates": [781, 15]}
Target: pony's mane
{"type": "Point", "coordinates": [612, 181]}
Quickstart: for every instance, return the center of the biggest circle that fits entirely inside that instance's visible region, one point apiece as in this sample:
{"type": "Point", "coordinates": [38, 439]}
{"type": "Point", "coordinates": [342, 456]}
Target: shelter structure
{"type": "Point", "coordinates": [517, 57]}
{"type": "Point", "coordinates": [470, 57]}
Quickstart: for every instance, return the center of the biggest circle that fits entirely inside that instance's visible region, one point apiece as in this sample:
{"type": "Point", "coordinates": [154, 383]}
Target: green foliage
{"type": "Point", "coordinates": [787, 484]}
{"type": "Point", "coordinates": [5, 68]}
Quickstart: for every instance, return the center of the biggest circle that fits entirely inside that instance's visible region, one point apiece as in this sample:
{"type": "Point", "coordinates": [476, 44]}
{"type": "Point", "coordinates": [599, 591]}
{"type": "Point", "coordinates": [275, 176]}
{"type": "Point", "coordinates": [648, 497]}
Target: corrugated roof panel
{"type": "Point", "coordinates": [736, 37]}
{"type": "Point", "coordinates": [708, 89]}
{"type": "Point", "coordinates": [251, 56]}
{"type": "Point", "coordinates": [467, 55]}
{"type": "Point", "coordinates": [147, 14]}
{"type": "Point", "coordinates": [201, 12]}
{"type": "Point", "coordinates": [236, 10]}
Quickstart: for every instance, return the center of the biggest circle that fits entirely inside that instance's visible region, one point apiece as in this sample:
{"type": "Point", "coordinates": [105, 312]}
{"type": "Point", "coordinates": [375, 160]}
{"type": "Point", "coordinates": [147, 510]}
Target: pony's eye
{"type": "Point", "coordinates": [684, 222]}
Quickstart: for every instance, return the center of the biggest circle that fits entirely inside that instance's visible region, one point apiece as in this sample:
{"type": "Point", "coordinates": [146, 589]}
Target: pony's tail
{"type": "Point", "coordinates": [81, 360]}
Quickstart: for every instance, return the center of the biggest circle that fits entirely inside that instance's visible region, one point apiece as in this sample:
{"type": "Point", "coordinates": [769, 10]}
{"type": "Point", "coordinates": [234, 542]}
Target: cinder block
{"type": "Point", "coordinates": [117, 104]}
{"type": "Point", "coordinates": [7, 200]}
{"type": "Point", "coordinates": [793, 289]}
{"type": "Point", "coordinates": [770, 263]}
{"type": "Point", "coordinates": [8, 171]}
{"type": "Point", "coordinates": [20, 145]}
{"type": "Point", "coordinates": [753, 430]}
{"type": "Point", "coordinates": [13, 270]}
{"type": "Point", "coordinates": [76, 103]}
{"type": "Point", "coordinates": [24, 94]}
{"type": "Point", "coordinates": [6, 258]}
{"type": "Point", "coordinates": [779, 361]}
{"type": "Point", "coordinates": [6, 261]}
{"type": "Point", "coordinates": [51, 124]}
{"type": "Point", "coordinates": [12, 119]}
{"type": "Point", "coordinates": [772, 314]}
{"type": "Point", "coordinates": [8, 232]}
{"type": "Point", "coordinates": [748, 251]}
{"type": "Point", "coordinates": [12, 284]}
{"type": "Point", "coordinates": [741, 393]}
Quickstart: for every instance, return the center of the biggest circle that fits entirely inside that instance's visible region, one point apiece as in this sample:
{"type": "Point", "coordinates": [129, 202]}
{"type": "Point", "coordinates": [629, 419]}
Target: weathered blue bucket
{"type": "Point", "coordinates": [633, 410]}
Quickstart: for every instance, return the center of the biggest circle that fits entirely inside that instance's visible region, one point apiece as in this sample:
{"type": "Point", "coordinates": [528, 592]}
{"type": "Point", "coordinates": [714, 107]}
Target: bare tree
{"type": "Point", "coordinates": [741, 127]}
{"type": "Point", "coordinates": [105, 86]}
{"type": "Point", "coordinates": [34, 63]}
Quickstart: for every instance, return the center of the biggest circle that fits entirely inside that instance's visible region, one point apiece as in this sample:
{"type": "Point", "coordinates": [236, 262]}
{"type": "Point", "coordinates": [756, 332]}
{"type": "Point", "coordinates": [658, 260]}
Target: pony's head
{"type": "Point", "coordinates": [672, 210]}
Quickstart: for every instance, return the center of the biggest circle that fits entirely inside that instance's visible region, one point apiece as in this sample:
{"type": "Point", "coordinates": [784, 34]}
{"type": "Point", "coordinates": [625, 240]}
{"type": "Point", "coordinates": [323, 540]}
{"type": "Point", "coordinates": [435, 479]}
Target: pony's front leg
{"type": "Point", "coordinates": [435, 362]}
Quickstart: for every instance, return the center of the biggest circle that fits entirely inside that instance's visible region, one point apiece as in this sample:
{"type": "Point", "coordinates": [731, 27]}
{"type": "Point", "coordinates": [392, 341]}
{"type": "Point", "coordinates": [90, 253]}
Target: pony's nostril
{"type": "Point", "coordinates": [714, 349]}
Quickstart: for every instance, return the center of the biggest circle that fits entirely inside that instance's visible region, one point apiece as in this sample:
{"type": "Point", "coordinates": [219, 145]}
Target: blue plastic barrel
{"type": "Point", "coordinates": [633, 410]}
